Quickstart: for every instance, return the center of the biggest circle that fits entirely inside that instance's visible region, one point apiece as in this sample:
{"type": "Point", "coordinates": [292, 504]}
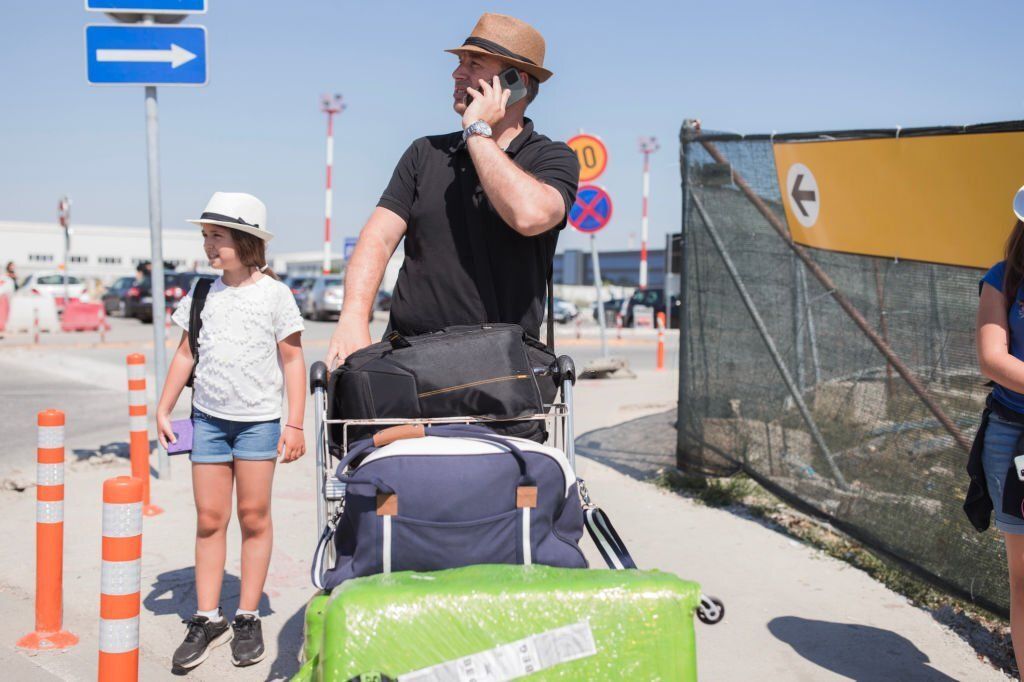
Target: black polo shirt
{"type": "Point", "coordinates": [463, 263]}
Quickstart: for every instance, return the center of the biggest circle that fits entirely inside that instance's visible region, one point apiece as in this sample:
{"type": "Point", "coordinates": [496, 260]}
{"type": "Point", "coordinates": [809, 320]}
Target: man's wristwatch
{"type": "Point", "coordinates": [476, 128]}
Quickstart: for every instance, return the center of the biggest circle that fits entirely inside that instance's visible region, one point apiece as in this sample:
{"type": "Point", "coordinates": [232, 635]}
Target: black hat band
{"type": "Point", "coordinates": [494, 47]}
{"type": "Point", "coordinates": [207, 215]}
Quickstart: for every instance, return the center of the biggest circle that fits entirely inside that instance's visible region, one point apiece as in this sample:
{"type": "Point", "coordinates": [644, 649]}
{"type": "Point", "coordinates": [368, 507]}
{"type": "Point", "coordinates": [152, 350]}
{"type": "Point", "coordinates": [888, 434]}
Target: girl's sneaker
{"type": "Point", "coordinates": [203, 635]}
{"type": "Point", "coordinates": [247, 646]}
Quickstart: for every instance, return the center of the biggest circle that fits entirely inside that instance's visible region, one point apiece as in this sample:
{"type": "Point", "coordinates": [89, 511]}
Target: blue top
{"type": "Point", "coordinates": [1015, 318]}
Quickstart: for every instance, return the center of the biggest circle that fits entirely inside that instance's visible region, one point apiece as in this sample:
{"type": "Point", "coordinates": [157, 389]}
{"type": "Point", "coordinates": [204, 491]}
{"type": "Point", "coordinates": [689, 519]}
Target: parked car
{"type": "Point", "coordinates": [324, 298]}
{"type": "Point", "coordinates": [565, 311]}
{"type": "Point", "coordinates": [114, 297]}
{"type": "Point", "coordinates": [653, 298]}
{"type": "Point", "coordinates": [51, 283]}
{"type": "Point", "coordinates": [139, 298]}
{"type": "Point", "coordinates": [612, 307]}
{"type": "Point", "coordinates": [300, 286]}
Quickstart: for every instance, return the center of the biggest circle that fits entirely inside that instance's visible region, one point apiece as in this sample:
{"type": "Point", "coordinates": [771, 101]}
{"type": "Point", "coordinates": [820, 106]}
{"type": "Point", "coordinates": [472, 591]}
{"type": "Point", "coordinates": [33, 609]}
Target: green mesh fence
{"type": "Point", "coordinates": [884, 470]}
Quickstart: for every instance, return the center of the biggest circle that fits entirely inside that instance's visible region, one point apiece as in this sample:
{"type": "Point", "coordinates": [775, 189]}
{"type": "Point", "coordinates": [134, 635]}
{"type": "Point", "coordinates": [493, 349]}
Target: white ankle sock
{"type": "Point", "coordinates": [214, 615]}
{"type": "Point", "coordinates": [244, 612]}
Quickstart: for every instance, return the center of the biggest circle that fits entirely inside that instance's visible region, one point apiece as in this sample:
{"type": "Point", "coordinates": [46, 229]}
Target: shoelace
{"type": "Point", "coordinates": [245, 628]}
{"type": "Point", "coordinates": [195, 630]}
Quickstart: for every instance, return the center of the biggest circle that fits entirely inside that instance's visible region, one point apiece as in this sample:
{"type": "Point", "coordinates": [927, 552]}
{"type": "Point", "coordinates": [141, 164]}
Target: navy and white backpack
{"type": "Point", "coordinates": [430, 498]}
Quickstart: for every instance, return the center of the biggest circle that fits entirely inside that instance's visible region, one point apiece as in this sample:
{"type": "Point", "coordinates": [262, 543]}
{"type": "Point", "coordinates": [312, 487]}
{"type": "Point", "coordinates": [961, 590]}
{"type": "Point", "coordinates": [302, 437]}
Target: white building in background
{"type": "Point", "coordinates": [97, 252]}
{"type": "Point", "coordinates": [106, 253]}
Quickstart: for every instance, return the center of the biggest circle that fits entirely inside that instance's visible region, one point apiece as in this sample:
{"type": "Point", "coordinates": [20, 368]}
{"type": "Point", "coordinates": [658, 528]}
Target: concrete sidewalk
{"type": "Point", "coordinates": [792, 612]}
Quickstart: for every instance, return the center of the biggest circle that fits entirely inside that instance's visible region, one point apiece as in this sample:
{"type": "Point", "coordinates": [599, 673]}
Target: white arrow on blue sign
{"type": "Point", "coordinates": [145, 55]}
{"type": "Point", "coordinates": [147, 6]}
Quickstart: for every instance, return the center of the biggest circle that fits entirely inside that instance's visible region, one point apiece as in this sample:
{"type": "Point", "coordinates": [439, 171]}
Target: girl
{"type": "Point", "coordinates": [249, 344]}
{"type": "Point", "coordinates": [1000, 338]}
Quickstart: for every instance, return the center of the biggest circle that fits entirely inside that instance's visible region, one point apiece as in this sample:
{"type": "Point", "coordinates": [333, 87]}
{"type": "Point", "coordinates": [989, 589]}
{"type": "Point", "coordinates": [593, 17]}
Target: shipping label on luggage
{"type": "Point", "coordinates": [514, 660]}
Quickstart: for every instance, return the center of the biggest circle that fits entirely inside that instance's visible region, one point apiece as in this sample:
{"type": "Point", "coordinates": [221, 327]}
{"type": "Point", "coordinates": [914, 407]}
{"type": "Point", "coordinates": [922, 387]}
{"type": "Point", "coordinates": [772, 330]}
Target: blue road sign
{"type": "Point", "coordinates": [592, 210]}
{"type": "Point", "coordinates": [147, 6]}
{"type": "Point", "coordinates": [145, 55]}
{"type": "Point", "coordinates": [350, 246]}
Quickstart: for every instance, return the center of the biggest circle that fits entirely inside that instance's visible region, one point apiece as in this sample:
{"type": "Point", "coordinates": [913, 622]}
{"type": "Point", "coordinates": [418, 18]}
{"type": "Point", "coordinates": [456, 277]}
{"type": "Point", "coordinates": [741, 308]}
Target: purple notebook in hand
{"type": "Point", "coordinates": [183, 433]}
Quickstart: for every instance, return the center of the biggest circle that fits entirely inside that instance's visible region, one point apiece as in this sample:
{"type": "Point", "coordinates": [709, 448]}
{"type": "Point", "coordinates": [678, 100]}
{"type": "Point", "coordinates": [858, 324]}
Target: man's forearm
{"type": "Point", "coordinates": [521, 200]}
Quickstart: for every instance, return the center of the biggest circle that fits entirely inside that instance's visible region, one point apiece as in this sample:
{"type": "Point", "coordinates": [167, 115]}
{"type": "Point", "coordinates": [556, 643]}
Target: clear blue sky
{"type": "Point", "coordinates": [622, 69]}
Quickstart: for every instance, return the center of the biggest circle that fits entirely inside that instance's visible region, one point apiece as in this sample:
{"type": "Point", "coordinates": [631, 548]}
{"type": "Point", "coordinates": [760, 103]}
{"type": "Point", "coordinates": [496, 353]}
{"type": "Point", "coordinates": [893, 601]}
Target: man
{"type": "Point", "coordinates": [479, 209]}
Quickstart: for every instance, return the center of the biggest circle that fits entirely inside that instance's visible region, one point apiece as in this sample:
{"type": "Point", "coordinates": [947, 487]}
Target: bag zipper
{"type": "Point", "coordinates": [449, 389]}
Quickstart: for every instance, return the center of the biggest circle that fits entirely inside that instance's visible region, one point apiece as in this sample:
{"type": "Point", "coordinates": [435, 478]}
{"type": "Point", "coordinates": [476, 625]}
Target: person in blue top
{"type": "Point", "coordinates": [1000, 343]}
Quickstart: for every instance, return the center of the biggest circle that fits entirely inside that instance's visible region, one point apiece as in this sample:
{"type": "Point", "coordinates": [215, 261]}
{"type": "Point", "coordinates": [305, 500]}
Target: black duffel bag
{"type": "Point", "coordinates": [490, 371]}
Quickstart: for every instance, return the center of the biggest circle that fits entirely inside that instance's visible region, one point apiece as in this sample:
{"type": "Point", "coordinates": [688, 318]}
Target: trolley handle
{"type": "Point", "coordinates": [317, 376]}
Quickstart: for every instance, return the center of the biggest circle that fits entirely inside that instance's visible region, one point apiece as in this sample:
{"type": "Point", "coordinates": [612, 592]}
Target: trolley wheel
{"type": "Point", "coordinates": [711, 610]}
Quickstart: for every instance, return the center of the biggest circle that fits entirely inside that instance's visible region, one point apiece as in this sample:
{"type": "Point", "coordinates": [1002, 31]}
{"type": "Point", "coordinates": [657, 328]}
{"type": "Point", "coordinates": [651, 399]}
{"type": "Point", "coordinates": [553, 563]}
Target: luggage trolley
{"type": "Point", "coordinates": [330, 494]}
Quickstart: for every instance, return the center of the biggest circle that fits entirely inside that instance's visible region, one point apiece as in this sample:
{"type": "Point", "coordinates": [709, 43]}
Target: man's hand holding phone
{"type": "Point", "coordinates": [488, 103]}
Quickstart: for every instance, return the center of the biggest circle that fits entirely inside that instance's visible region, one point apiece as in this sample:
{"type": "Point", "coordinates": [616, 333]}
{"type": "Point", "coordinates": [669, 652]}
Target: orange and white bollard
{"type": "Point", "coordinates": [138, 437]}
{"type": "Point", "coordinates": [49, 537]}
{"type": "Point", "coordinates": [661, 341]}
{"type": "Point", "coordinates": [120, 579]}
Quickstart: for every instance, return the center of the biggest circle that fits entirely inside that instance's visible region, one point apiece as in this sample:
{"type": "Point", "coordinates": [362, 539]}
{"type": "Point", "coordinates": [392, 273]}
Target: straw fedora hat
{"type": "Point", "coordinates": [236, 210]}
{"type": "Point", "coordinates": [510, 39]}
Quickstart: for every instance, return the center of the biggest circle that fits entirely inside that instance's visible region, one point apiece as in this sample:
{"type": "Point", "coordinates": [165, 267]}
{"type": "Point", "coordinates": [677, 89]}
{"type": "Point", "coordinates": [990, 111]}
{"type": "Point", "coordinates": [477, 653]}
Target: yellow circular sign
{"type": "Point", "coordinates": [592, 154]}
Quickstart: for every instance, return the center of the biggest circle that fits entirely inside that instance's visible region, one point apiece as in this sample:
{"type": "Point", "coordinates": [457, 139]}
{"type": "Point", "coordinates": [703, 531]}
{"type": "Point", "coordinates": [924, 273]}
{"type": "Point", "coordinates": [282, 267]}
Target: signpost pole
{"type": "Point", "coordinates": [600, 296]}
{"type": "Point", "coordinates": [64, 217]}
{"type": "Point", "coordinates": [157, 271]}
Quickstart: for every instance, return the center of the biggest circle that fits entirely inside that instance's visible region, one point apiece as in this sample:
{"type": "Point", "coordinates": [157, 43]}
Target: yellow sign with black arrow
{"type": "Point", "coordinates": [938, 198]}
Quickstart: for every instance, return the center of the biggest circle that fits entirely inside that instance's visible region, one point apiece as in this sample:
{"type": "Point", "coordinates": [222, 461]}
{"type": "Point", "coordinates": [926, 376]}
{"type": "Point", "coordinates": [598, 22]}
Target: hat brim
{"type": "Point", "coordinates": [538, 72]}
{"type": "Point", "coordinates": [254, 231]}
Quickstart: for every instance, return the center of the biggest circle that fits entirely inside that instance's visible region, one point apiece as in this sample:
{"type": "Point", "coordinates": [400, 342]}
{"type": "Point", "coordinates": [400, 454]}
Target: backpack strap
{"type": "Point", "coordinates": [195, 321]}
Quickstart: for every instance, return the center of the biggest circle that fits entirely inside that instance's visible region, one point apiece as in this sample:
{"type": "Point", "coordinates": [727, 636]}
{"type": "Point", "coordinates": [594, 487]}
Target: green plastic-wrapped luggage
{"type": "Point", "coordinates": [491, 623]}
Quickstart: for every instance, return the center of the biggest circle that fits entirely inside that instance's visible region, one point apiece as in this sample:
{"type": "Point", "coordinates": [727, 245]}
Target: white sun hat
{"type": "Point", "coordinates": [236, 210]}
{"type": "Point", "coordinates": [1018, 204]}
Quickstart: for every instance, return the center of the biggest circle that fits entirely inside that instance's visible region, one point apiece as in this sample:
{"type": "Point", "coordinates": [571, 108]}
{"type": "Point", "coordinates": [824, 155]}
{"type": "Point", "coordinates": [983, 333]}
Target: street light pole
{"type": "Point", "coordinates": [330, 105]}
{"type": "Point", "coordinates": [648, 145]}
{"type": "Point", "coordinates": [64, 218]}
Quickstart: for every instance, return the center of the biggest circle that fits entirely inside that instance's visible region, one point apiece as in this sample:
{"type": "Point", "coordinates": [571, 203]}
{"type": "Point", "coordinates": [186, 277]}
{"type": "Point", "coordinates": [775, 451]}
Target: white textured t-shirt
{"type": "Point", "coordinates": [239, 373]}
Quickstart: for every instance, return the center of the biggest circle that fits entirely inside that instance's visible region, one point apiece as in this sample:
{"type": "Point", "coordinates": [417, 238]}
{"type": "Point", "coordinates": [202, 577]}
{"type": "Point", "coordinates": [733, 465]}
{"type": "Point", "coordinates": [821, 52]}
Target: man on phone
{"type": "Point", "coordinates": [480, 209]}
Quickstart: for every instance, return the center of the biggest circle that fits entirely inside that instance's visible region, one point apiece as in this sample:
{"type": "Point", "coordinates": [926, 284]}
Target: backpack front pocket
{"type": "Point", "coordinates": [418, 545]}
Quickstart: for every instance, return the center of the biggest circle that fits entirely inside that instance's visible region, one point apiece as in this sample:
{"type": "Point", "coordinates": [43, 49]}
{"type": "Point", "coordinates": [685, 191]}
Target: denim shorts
{"type": "Point", "coordinates": [997, 460]}
{"type": "Point", "coordinates": [216, 440]}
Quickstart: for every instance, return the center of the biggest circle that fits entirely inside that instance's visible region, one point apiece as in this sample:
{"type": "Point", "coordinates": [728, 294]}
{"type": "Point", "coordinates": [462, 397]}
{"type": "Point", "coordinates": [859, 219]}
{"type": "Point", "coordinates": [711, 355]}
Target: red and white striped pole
{"type": "Point", "coordinates": [330, 105]}
{"type": "Point", "coordinates": [648, 145]}
{"type": "Point", "coordinates": [49, 537]}
{"type": "Point", "coordinates": [120, 579]}
{"type": "Point", "coordinates": [138, 428]}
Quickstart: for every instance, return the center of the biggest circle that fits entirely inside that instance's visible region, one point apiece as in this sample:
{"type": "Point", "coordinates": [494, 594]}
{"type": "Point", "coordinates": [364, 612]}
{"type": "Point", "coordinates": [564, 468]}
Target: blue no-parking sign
{"type": "Point", "coordinates": [350, 247]}
{"type": "Point", "coordinates": [145, 55]}
{"type": "Point", "coordinates": [592, 210]}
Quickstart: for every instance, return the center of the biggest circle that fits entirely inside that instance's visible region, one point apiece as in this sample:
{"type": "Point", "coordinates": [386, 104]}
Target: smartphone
{"type": "Point", "coordinates": [510, 80]}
